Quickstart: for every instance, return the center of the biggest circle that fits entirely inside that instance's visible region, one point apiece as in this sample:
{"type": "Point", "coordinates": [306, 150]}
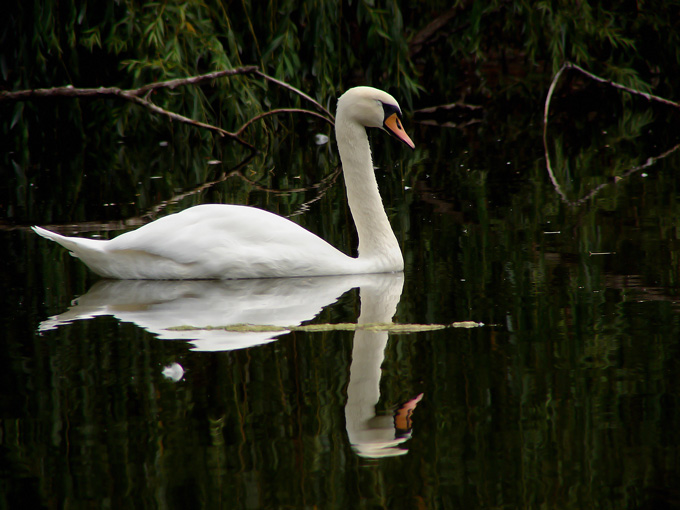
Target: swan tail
{"type": "Point", "coordinates": [76, 245]}
{"type": "Point", "coordinates": [129, 264]}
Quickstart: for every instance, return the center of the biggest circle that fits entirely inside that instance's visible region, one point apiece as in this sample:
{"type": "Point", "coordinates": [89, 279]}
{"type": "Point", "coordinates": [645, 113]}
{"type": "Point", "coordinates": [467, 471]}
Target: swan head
{"type": "Point", "coordinates": [371, 107]}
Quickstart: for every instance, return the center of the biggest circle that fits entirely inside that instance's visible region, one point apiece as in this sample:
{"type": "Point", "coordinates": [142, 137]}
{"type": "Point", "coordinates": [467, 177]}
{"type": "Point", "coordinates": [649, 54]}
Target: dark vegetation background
{"type": "Point", "coordinates": [568, 398]}
{"type": "Point", "coordinates": [425, 53]}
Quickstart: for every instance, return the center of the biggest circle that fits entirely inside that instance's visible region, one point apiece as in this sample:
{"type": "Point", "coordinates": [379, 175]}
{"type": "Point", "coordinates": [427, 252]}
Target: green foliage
{"type": "Point", "coordinates": [323, 46]}
{"type": "Point", "coordinates": [503, 49]}
{"type": "Point", "coordinates": [481, 50]}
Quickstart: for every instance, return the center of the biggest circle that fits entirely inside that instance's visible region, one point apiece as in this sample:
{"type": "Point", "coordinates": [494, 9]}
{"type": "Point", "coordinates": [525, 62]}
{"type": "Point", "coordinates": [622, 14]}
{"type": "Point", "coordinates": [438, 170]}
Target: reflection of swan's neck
{"type": "Point", "coordinates": [371, 435]}
{"type": "Point", "coordinates": [376, 238]}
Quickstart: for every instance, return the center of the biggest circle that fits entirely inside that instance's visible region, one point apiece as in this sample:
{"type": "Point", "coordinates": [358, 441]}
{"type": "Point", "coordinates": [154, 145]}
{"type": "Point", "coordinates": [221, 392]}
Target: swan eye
{"type": "Point", "coordinates": [391, 110]}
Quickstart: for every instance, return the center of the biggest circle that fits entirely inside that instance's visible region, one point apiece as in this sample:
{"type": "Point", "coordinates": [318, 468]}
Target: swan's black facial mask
{"type": "Point", "coordinates": [392, 124]}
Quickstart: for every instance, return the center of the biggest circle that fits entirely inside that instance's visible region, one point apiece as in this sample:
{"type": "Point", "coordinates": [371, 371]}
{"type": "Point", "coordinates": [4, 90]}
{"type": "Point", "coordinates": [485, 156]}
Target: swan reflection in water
{"type": "Point", "coordinates": [374, 435]}
{"type": "Point", "coordinates": [159, 305]}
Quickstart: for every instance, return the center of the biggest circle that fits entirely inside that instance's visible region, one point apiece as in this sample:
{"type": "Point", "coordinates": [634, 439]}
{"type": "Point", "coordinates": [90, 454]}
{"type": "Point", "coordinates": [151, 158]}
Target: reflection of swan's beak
{"type": "Point", "coordinates": [402, 417]}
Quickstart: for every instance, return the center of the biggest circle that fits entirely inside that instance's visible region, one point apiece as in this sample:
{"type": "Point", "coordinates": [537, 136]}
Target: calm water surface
{"type": "Point", "coordinates": [566, 397]}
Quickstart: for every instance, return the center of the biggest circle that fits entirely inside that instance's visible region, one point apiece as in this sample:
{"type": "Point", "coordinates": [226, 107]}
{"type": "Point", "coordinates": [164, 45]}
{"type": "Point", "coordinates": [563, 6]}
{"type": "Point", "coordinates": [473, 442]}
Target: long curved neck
{"type": "Point", "coordinates": [376, 238]}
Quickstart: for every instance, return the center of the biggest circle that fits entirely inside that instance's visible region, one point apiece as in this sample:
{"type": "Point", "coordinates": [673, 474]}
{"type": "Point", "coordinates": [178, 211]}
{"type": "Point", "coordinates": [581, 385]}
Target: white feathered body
{"type": "Point", "coordinates": [215, 241]}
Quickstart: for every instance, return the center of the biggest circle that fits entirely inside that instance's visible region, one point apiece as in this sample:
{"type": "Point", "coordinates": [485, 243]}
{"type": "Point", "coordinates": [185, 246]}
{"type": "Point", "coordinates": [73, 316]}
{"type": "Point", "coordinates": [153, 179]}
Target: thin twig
{"type": "Point", "coordinates": [293, 89]}
{"type": "Point", "coordinates": [153, 211]}
{"type": "Point", "coordinates": [322, 186]}
{"type": "Point", "coordinates": [646, 95]}
{"type": "Point", "coordinates": [181, 118]}
{"type": "Point", "coordinates": [553, 84]}
{"type": "Point", "coordinates": [649, 162]}
{"type": "Point", "coordinates": [278, 111]}
{"type": "Point", "coordinates": [193, 80]}
{"type": "Point", "coordinates": [546, 111]}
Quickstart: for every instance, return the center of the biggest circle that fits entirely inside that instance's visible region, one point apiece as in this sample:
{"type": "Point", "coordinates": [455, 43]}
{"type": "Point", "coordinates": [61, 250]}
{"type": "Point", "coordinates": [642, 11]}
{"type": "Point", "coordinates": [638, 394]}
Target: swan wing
{"type": "Point", "coordinates": [226, 241]}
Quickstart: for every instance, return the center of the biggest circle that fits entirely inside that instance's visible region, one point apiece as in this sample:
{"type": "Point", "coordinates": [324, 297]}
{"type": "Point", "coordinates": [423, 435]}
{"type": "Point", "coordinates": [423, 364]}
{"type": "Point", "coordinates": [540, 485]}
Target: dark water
{"type": "Point", "coordinates": [566, 397]}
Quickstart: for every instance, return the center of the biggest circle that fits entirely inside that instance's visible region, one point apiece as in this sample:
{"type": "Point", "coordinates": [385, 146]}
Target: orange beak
{"type": "Point", "coordinates": [393, 126]}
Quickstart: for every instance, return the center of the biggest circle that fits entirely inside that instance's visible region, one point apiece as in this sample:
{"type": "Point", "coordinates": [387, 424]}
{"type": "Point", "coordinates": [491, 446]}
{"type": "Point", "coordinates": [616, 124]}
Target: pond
{"type": "Point", "coordinates": [562, 393]}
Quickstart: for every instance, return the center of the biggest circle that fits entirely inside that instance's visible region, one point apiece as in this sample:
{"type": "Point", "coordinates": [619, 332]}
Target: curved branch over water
{"type": "Point", "coordinates": [546, 111]}
{"type": "Point", "coordinates": [320, 187]}
{"type": "Point", "coordinates": [279, 111]}
{"type": "Point", "coordinates": [140, 96]}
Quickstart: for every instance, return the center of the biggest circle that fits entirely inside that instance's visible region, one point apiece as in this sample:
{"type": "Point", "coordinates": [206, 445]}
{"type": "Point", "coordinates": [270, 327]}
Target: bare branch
{"type": "Point", "coordinates": [548, 99]}
{"type": "Point", "coordinates": [140, 96]}
{"type": "Point", "coordinates": [546, 110]}
{"type": "Point", "coordinates": [649, 97]}
{"type": "Point", "coordinates": [427, 33]}
{"type": "Point", "coordinates": [134, 95]}
{"type": "Point", "coordinates": [67, 91]}
{"type": "Point", "coordinates": [70, 91]}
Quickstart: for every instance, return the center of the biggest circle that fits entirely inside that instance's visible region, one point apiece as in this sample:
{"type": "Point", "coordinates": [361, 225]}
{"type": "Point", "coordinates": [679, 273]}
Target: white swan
{"type": "Point", "coordinates": [232, 241]}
